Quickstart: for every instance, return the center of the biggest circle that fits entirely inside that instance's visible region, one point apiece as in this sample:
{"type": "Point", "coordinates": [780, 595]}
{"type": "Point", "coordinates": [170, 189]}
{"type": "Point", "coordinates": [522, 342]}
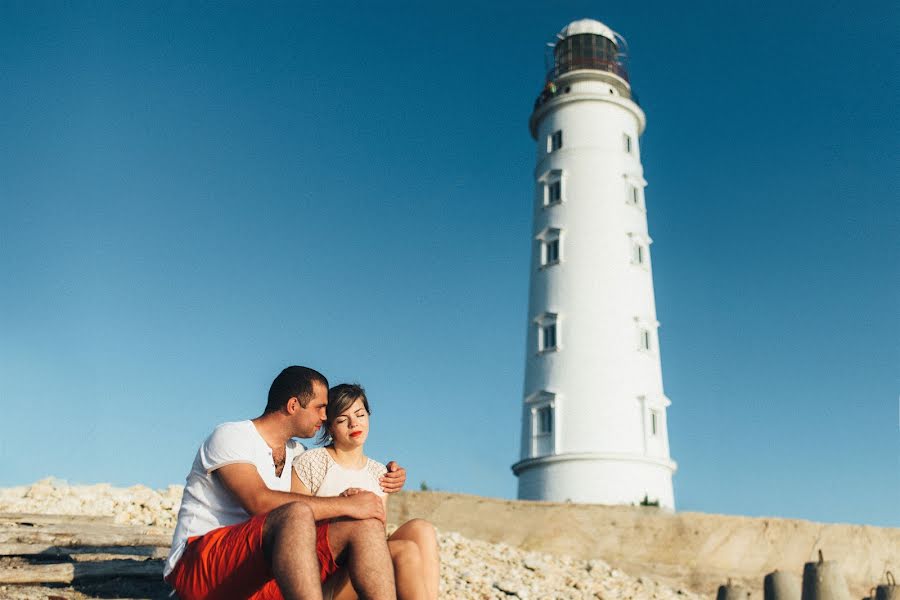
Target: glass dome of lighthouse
{"type": "Point", "coordinates": [585, 60]}
{"type": "Point", "coordinates": [588, 44]}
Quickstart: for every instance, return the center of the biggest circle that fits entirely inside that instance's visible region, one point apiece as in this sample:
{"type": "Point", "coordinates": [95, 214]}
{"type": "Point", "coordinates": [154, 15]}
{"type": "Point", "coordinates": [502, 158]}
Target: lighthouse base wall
{"type": "Point", "coordinates": [596, 480]}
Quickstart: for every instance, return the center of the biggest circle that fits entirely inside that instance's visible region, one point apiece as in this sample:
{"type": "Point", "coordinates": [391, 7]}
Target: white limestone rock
{"type": "Point", "coordinates": [470, 569]}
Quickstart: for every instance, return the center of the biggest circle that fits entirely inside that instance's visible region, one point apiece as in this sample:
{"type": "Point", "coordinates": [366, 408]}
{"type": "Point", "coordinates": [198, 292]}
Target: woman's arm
{"type": "Point", "coordinates": [297, 486]}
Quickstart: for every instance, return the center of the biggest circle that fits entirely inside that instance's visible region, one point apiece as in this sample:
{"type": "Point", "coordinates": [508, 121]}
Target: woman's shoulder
{"type": "Point", "coordinates": [311, 468]}
{"type": "Point", "coordinates": [375, 468]}
{"type": "Point", "coordinates": [321, 451]}
{"type": "Point", "coordinates": [313, 456]}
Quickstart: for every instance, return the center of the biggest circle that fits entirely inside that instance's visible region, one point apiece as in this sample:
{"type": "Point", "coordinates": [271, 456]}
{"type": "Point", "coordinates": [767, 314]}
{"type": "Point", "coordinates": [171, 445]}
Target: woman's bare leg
{"type": "Point", "coordinates": [422, 533]}
{"type": "Point", "coordinates": [407, 573]}
{"type": "Point", "coordinates": [408, 570]}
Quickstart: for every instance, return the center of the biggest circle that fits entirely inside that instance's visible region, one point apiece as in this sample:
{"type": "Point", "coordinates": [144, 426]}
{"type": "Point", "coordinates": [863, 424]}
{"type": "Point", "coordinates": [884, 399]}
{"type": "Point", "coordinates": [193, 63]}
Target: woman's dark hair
{"type": "Point", "coordinates": [293, 382]}
{"type": "Point", "coordinates": [340, 398]}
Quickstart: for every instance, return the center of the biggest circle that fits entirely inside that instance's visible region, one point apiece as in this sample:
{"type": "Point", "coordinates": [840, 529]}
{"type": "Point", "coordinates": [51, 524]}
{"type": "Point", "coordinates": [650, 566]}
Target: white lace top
{"type": "Point", "coordinates": [324, 477]}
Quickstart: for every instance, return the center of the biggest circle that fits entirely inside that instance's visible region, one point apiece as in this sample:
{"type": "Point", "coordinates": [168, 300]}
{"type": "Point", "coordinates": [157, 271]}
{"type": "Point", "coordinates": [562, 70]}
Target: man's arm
{"type": "Point", "coordinates": [244, 482]}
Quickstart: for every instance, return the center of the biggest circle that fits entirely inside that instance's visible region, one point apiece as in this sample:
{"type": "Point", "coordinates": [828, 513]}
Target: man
{"type": "Point", "coordinates": [242, 533]}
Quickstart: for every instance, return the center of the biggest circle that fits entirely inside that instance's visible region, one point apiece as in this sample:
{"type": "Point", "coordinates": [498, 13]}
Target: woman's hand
{"type": "Point", "coordinates": [392, 481]}
{"type": "Point", "coordinates": [351, 492]}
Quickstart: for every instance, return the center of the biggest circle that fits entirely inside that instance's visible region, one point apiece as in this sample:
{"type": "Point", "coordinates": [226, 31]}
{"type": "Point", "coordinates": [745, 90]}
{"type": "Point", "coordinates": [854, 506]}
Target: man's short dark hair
{"type": "Point", "coordinates": [293, 382]}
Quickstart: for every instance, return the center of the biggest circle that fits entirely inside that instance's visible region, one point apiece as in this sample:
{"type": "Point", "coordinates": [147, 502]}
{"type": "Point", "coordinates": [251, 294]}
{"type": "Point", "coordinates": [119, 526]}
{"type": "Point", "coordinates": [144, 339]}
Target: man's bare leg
{"type": "Point", "coordinates": [422, 533]}
{"type": "Point", "coordinates": [289, 543]}
{"type": "Point", "coordinates": [407, 573]}
{"type": "Point", "coordinates": [364, 551]}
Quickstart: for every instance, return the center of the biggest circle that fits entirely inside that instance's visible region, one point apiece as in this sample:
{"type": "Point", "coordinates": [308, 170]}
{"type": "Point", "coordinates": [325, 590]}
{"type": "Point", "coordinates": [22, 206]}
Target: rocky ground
{"type": "Point", "coordinates": [470, 569]}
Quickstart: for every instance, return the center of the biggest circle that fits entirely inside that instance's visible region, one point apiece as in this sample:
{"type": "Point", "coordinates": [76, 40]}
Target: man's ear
{"type": "Point", "coordinates": [293, 405]}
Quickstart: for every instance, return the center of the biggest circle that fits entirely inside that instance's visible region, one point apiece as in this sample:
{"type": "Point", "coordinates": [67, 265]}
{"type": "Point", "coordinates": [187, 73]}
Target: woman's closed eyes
{"type": "Point", "coordinates": [342, 420]}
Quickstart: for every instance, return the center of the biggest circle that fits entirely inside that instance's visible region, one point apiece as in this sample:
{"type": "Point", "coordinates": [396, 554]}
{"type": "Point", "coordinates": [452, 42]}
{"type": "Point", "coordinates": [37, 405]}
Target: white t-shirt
{"type": "Point", "coordinates": [207, 504]}
{"type": "Point", "coordinates": [324, 477]}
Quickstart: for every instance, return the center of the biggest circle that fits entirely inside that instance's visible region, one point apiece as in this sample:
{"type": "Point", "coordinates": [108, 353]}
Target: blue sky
{"type": "Point", "coordinates": [195, 195]}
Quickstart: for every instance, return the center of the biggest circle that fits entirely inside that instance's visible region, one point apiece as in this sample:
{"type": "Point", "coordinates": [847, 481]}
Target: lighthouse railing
{"type": "Point", "coordinates": [551, 90]}
{"type": "Point", "coordinates": [588, 62]}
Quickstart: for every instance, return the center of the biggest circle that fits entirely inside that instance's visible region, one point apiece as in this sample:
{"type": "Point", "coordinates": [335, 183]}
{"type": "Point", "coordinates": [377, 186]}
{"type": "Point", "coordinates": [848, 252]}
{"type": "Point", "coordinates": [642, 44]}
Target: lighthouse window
{"type": "Point", "coordinates": [550, 252]}
{"type": "Point", "coordinates": [554, 192]}
{"type": "Point", "coordinates": [553, 184]}
{"type": "Point", "coordinates": [654, 422]}
{"type": "Point", "coordinates": [547, 340]}
{"type": "Point", "coordinates": [549, 337]}
{"type": "Point", "coordinates": [638, 253]}
{"type": "Point", "coordinates": [540, 409]}
{"type": "Point", "coordinates": [549, 247]}
{"type": "Point", "coordinates": [554, 141]}
{"type": "Point", "coordinates": [645, 339]}
{"type": "Point", "coordinates": [627, 143]}
{"type": "Point", "coordinates": [544, 420]}
{"type": "Point", "coordinates": [546, 332]}
{"type": "Point", "coordinates": [634, 195]}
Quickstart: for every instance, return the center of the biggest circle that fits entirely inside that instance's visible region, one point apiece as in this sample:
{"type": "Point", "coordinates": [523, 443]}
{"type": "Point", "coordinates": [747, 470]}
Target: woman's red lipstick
{"type": "Point", "coordinates": [356, 433]}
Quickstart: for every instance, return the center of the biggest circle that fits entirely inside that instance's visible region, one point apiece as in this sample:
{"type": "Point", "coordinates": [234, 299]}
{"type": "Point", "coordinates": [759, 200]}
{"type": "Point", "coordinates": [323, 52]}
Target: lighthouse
{"type": "Point", "coordinates": [594, 411]}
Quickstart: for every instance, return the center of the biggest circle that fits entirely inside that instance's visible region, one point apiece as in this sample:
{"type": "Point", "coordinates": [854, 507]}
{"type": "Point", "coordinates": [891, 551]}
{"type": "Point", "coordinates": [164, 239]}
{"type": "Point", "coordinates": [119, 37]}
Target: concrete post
{"type": "Point", "coordinates": [823, 580]}
{"type": "Point", "coordinates": [779, 585]}
{"type": "Point", "coordinates": [732, 591]}
{"type": "Point", "coordinates": [889, 590]}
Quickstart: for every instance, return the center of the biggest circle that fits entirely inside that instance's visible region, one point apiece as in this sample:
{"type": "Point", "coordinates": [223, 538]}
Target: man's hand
{"type": "Point", "coordinates": [365, 505]}
{"type": "Point", "coordinates": [351, 492]}
{"type": "Point", "coordinates": [392, 481]}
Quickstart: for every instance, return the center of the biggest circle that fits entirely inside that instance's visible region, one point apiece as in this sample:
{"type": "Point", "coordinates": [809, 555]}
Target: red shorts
{"type": "Point", "coordinates": [228, 562]}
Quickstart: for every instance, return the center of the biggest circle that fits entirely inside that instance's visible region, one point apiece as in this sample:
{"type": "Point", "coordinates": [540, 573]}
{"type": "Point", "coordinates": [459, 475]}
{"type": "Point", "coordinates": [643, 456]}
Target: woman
{"type": "Point", "coordinates": [341, 465]}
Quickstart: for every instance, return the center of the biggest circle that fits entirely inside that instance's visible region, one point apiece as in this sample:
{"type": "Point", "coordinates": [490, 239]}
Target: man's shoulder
{"type": "Point", "coordinates": [231, 429]}
{"type": "Point", "coordinates": [235, 441]}
{"type": "Point", "coordinates": [244, 425]}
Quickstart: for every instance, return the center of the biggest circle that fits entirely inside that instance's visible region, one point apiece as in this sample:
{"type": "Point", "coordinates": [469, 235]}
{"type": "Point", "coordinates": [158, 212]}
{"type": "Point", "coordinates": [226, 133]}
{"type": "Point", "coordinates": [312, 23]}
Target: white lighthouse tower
{"type": "Point", "coordinates": [594, 411]}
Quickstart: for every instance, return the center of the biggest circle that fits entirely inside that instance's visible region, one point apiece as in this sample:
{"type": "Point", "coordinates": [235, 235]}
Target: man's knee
{"type": "Point", "coordinates": [364, 531]}
{"type": "Point", "coordinates": [292, 516]}
{"type": "Point", "coordinates": [299, 511]}
{"type": "Point", "coordinates": [370, 525]}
